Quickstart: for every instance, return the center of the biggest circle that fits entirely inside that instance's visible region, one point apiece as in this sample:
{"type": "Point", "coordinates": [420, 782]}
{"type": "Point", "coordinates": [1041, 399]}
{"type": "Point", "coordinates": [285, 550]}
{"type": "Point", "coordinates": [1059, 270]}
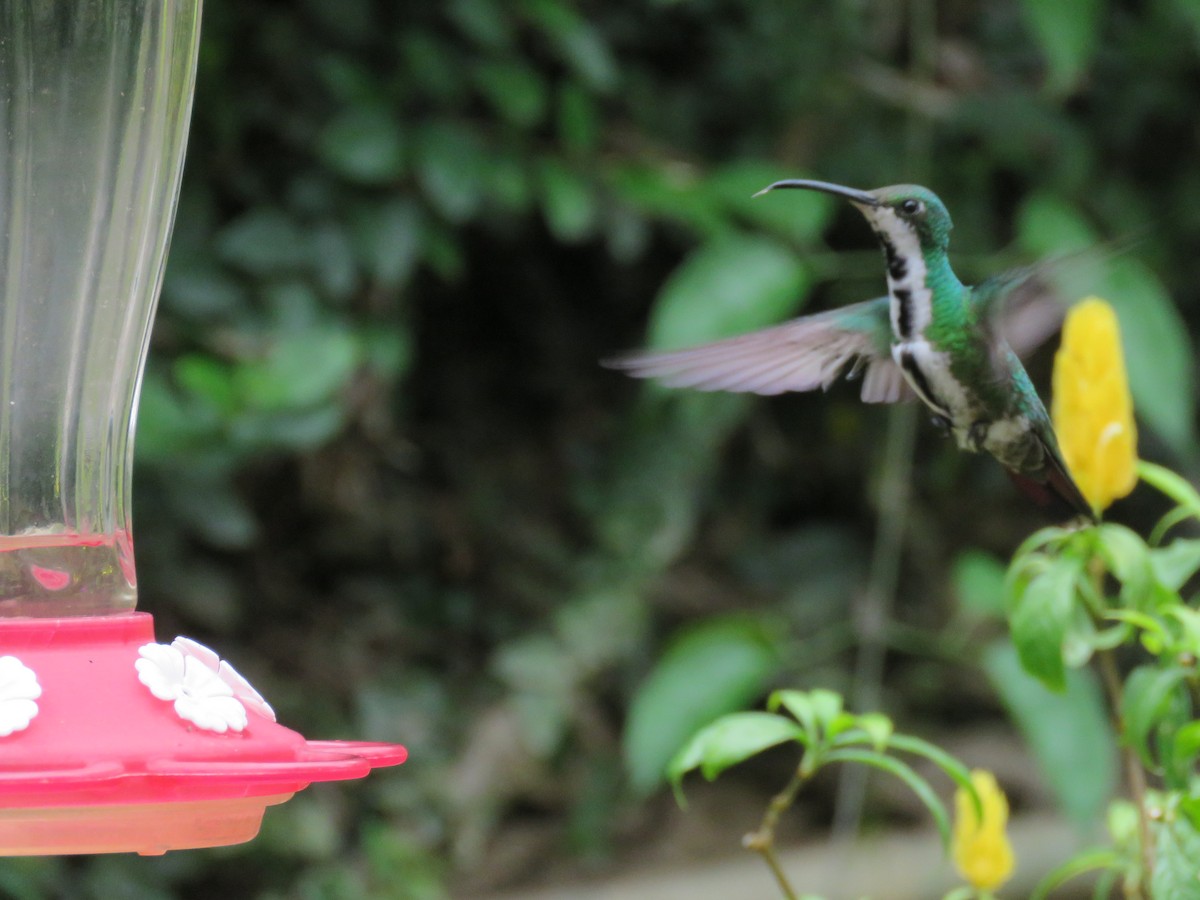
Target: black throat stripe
{"type": "Point", "coordinates": [917, 379]}
{"type": "Point", "coordinates": [904, 312]}
{"type": "Point", "coordinates": [897, 265]}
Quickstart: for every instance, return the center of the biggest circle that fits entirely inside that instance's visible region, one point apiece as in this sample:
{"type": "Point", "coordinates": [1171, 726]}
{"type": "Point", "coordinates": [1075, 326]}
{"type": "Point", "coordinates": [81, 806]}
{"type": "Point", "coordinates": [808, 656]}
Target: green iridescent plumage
{"type": "Point", "coordinates": [931, 336]}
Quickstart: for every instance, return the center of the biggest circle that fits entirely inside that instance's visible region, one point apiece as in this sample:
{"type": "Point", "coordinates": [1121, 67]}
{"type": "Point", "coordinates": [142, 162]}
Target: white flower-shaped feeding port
{"type": "Point", "coordinates": [19, 690]}
{"type": "Point", "coordinates": [206, 690]}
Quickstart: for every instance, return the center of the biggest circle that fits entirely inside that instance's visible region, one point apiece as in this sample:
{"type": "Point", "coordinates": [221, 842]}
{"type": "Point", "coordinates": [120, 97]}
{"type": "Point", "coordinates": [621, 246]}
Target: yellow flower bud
{"type": "Point", "coordinates": [1092, 408]}
{"type": "Point", "coordinates": [980, 846]}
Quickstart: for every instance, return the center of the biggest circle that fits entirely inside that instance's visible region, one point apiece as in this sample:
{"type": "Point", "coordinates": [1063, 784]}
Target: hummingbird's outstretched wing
{"type": "Point", "coordinates": [1023, 305]}
{"type": "Point", "coordinates": [800, 355]}
{"type": "Point", "coordinates": [1027, 305]}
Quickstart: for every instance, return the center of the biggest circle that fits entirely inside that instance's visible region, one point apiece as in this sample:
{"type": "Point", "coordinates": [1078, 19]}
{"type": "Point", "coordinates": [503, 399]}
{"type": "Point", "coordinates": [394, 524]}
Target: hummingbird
{"type": "Point", "coordinates": [931, 337]}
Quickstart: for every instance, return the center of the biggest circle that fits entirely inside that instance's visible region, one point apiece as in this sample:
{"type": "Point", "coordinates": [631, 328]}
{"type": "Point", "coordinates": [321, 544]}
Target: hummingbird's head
{"type": "Point", "coordinates": [910, 207]}
{"type": "Point", "coordinates": [893, 211]}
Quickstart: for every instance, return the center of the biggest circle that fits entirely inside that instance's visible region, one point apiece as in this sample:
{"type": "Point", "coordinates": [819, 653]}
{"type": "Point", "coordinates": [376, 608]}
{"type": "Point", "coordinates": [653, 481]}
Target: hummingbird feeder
{"type": "Point", "coordinates": [109, 740]}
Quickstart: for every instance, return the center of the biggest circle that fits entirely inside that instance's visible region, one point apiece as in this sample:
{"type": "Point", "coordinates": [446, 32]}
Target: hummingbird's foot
{"type": "Point", "coordinates": [978, 434]}
{"type": "Point", "coordinates": [942, 424]}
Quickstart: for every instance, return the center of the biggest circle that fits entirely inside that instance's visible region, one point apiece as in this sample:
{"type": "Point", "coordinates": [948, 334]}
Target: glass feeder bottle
{"type": "Point", "coordinates": [93, 120]}
{"type": "Point", "coordinates": [109, 741]}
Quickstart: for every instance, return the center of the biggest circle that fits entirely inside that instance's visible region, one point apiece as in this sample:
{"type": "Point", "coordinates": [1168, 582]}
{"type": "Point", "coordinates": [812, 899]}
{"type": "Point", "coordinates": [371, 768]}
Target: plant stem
{"type": "Point", "coordinates": [874, 612]}
{"type": "Point", "coordinates": [1110, 674]}
{"type": "Point", "coordinates": [762, 841]}
{"type": "Point", "coordinates": [1134, 774]}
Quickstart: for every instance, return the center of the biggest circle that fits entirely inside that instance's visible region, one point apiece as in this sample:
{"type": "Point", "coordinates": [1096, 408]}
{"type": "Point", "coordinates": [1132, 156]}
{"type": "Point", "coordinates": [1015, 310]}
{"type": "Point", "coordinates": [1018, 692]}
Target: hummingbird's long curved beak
{"type": "Point", "coordinates": [862, 198]}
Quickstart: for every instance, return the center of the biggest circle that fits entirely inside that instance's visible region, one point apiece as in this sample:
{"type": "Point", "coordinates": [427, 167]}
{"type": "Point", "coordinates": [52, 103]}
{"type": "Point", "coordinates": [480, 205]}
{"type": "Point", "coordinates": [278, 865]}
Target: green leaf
{"type": "Point", "coordinates": [539, 672]}
{"type": "Point", "coordinates": [1187, 635]}
{"type": "Point", "coordinates": [263, 241]}
{"type": "Point", "coordinates": [731, 740]}
{"type": "Point", "coordinates": [389, 237]}
{"type": "Point", "coordinates": [794, 215]}
{"type": "Point", "coordinates": [1145, 703]}
{"type": "Point", "coordinates": [388, 351]}
{"type": "Point", "coordinates": [627, 233]}
{"type": "Point", "coordinates": [1069, 34]}
{"type": "Point", "coordinates": [1049, 226]}
{"type": "Point", "coordinates": [828, 706]}
{"type": "Point", "coordinates": [579, 120]}
{"type": "Point", "coordinates": [1185, 747]}
{"type": "Point", "coordinates": [1084, 862]}
{"type": "Point", "coordinates": [1158, 351]}
{"type": "Point", "coordinates": [1174, 486]}
{"type": "Point", "coordinates": [1154, 633]}
{"type": "Point", "coordinates": [671, 194]}
{"type": "Point", "coordinates": [514, 88]}
{"type": "Point", "coordinates": [879, 729]}
{"type": "Point", "coordinates": [201, 289]}
{"type": "Point", "coordinates": [1176, 563]}
{"type": "Point", "coordinates": [296, 430]}
{"type": "Point", "coordinates": [1041, 540]}
{"type": "Point", "coordinates": [350, 22]}
{"type": "Point", "coordinates": [568, 202]}
{"type": "Point", "coordinates": [334, 260]}
{"type": "Point", "coordinates": [904, 772]}
{"type": "Point", "coordinates": [710, 670]}
{"type": "Point", "coordinates": [291, 303]}
{"type": "Point", "coordinates": [1123, 822]}
{"type": "Point", "coordinates": [1176, 860]}
{"type": "Point", "coordinates": [800, 705]}
{"type": "Point", "coordinates": [211, 505]}
{"type": "Point", "coordinates": [486, 21]}
{"type": "Point", "coordinates": [510, 180]}
{"type": "Point", "coordinates": [363, 144]}
{"type": "Point", "coordinates": [1069, 733]}
{"type": "Point", "coordinates": [956, 771]}
{"type": "Point", "coordinates": [591, 58]}
{"type": "Point", "coordinates": [1190, 807]}
{"type": "Point", "coordinates": [842, 723]}
{"type": "Point", "coordinates": [1153, 334]}
{"type": "Point", "coordinates": [1040, 616]}
{"type": "Point", "coordinates": [578, 41]}
{"type": "Point", "coordinates": [347, 80]}
{"type": "Point", "coordinates": [299, 370]}
{"type": "Point", "coordinates": [1163, 526]}
{"type": "Point", "coordinates": [978, 579]}
{"type": "Point", "coordinates": [435, 66]}
{"type": "Point", "coordinates": [727, 286]}
{"type": "Point", "coordinates": [167, 426]}
{"type": "Point", "coordinates": [209, 379]}
{"type": "Point", "coordinates": [452, 165]}
{"type": "Point", "coordinates": [1082, 638]}
{"type": "Point", "coordinates": [443, 252]}
{"type": "Point", "coordinates": [1128, 558]}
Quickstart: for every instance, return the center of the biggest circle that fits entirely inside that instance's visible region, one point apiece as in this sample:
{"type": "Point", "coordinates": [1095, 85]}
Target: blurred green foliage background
{"type": "Point", "coordinates": [380, 469]}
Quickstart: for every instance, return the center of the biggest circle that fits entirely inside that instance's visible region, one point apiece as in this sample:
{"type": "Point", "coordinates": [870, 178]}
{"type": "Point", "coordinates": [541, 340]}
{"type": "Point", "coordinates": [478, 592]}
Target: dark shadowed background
{"type": "Point", "coordinates": [381, 471]}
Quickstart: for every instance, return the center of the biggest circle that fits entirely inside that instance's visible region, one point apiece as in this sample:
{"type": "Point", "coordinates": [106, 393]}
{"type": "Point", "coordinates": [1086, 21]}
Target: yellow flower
{"type": "Point", "coordinates": [1092, 408]}
{"type": "Point", "coordinates": [981, 849]}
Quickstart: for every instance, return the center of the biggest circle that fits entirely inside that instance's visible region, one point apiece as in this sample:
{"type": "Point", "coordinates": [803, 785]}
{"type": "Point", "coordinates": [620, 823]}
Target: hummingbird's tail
{"type": "Point", "coordinates": [1054, 489]}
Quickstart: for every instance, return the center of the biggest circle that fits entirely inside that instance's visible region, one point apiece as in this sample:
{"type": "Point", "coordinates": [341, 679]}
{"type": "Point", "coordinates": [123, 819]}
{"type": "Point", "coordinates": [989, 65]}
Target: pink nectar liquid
{"type": "Point", "coordinates": [57, 574]}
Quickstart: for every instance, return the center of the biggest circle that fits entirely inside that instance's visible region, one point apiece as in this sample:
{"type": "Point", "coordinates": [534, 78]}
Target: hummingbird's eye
{"type": "Point", "coordinates": [912, 207]}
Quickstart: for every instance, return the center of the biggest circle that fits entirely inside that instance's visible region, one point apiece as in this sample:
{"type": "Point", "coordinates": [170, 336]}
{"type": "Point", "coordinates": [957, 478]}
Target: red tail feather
{"type": "Point", "coordinates": [1057, 492]}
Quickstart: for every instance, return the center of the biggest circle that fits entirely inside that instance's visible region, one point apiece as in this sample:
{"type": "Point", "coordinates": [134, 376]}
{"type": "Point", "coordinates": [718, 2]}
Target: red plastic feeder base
{"type": "Point", "coordinates": [110, 742]}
